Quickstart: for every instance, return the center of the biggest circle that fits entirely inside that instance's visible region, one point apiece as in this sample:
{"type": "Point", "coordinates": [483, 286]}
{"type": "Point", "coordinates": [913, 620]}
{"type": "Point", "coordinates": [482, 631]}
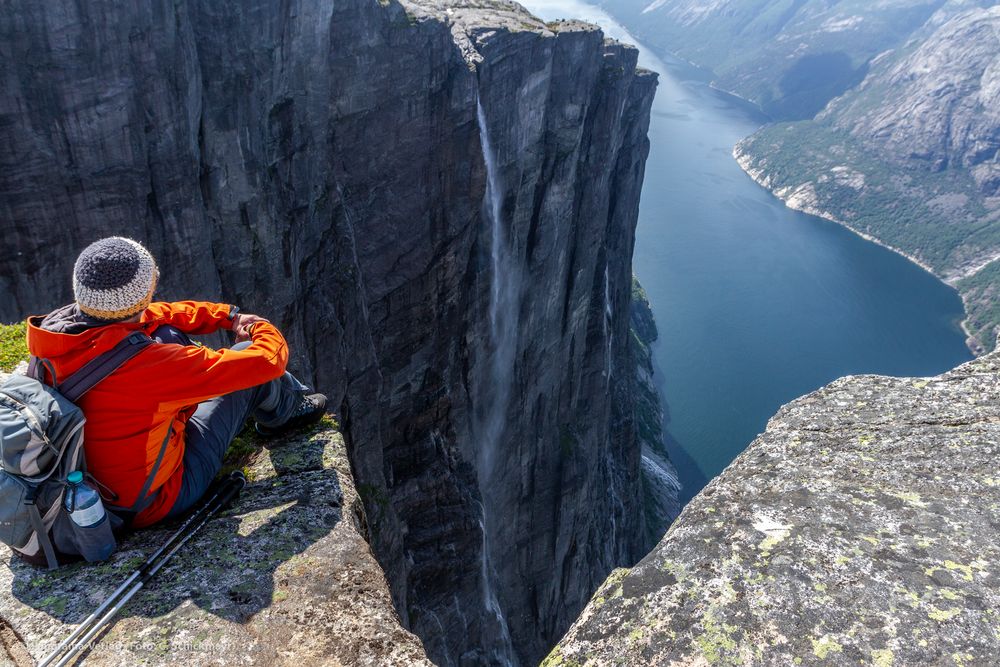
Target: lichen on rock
{"type": "Point", "coordinates": [859, 528]}
{"type": "Point", "coordinates": [283, 577]}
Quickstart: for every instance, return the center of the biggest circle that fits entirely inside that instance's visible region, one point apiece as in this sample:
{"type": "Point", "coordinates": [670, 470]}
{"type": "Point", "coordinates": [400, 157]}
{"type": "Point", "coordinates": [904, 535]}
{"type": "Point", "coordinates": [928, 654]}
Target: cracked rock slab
{"type": "Point", "coordinates": [284, 577]}
{"type": "Point", "coordinates": [859, 528]}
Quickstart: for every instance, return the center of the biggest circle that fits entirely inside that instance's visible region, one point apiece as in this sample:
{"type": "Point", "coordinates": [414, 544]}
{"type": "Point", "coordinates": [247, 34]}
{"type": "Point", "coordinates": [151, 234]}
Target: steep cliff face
{"type": "Point", "coordinates": [859, 528]}
{"type": "Point", "coordinates": [661, 485]}
{"type": "Point", "coordinates": [435, 202]}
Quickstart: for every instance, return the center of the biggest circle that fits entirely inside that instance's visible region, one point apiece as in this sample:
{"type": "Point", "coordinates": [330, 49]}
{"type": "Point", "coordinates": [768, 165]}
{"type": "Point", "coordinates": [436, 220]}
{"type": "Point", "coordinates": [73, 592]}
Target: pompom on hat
{"type": "Point", "coordinates": [114, 279]}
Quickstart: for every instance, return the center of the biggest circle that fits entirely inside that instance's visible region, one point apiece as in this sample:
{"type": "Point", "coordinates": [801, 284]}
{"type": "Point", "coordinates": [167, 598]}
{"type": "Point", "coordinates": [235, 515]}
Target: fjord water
{"type": "Point", "coordinates": [756, 304]}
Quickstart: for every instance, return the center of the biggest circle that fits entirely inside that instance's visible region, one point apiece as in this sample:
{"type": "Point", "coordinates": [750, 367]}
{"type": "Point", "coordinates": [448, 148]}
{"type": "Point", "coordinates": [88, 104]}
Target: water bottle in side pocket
{"type": "Point", "coordinates": [91, 526]}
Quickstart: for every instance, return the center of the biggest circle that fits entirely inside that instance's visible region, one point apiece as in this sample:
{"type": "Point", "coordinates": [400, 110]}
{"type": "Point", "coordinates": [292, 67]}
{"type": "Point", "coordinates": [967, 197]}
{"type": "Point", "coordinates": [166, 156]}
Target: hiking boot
{"type": "Point", "coordinates": [309, 411]}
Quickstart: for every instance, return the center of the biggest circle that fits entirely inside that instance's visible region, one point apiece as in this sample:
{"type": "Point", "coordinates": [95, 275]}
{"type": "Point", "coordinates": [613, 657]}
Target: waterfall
{"type": "Point", "coordinates": [496, 386]}
{"type": "Point", "coordinates": [608, 319]}
{"type": "Point", "coordinates": [504, 295]}
{"type": "Point", "coordinates": [663, 482]}
{"type": "Point", "coordinates": [504, 653]}
{"type": "Point", "coordinates": [498, 244]}
{"type": "Point", "coordinates": [505, 286]}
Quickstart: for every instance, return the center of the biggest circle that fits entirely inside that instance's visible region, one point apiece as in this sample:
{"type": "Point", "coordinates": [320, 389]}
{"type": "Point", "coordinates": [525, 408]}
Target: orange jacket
{"type": "Point", "coordinates": [129, 413]}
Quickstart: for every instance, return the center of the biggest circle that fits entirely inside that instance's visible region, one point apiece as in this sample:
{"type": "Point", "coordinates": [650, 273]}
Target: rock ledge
{"type": "Point", "coordinates": [284, 577]}
{"type": "Point", "coordinates": [859, 528]}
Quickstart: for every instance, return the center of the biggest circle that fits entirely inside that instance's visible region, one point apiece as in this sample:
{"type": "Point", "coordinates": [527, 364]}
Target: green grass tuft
{"type": "Point", "coordinates": [13, 346]}
{"type": "Point", "coordinates": [241, 451]}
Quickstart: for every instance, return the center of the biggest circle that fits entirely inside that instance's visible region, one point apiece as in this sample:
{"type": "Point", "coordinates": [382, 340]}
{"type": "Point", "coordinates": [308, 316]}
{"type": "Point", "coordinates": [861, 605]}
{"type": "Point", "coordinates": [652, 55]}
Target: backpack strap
{"type": "Point", "coordinates": [38, 367]}
{"type": "Point", "coordinates": [145, 498]}
{"type": "Point", "coordinates": [100, 367]}
{"type": "Point", "coordinates": [43, 534]}
{"type": "Point", "coordinates": [96, 370]}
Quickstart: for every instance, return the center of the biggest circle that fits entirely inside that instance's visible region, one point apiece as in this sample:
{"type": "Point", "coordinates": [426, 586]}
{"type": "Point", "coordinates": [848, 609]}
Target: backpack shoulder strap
{"type": "Point", "coordinates": [37, 368]}
{"type": "Point", "coordinates": [100, 367]}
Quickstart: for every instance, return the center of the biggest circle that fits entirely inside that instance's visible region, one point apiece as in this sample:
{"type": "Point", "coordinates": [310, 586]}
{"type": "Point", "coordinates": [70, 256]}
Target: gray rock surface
{"type": "Point", "coordinates": [860, 528]}
{"type": "Point", "coordinates": [939, 104]}
{"type": "Point", "coordinates": [284, 577]}
{"type": "Point", "coordinates": [322, 163]}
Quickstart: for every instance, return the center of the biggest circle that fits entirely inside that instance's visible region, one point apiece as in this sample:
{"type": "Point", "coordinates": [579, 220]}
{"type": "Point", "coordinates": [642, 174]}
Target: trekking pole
{"type": "Point", "coordinates": [225, 492]}
{"type": "Point", "coordinates": [142, 569]}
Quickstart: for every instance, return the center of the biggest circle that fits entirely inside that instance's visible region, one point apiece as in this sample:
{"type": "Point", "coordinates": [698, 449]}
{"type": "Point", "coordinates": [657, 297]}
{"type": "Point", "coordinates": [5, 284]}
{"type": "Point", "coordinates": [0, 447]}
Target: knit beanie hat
{"type": "Point", "coordinates": [114, 279]}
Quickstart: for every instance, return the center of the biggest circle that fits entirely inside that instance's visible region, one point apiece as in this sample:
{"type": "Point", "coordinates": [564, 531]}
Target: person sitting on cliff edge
{"type": "Point", "coordinates": [159, 426]}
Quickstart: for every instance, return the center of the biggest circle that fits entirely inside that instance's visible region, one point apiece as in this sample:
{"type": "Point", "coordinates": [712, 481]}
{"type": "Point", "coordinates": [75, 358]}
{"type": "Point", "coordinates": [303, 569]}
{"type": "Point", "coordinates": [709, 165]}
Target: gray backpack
{"type": "Point", "coordinates": [41, 442]}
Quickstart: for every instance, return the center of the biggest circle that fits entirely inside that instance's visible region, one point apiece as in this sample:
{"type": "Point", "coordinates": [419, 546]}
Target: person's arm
{"type": "Point", "coordinates": [187, 375]}
{"type": "Point", "coordinates": [191, 317]}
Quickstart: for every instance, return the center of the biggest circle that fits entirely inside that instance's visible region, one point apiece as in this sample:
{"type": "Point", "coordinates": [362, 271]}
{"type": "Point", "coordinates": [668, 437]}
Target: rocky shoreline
{"type": "Point", "coordinates": [802, 199]}
{"type": "Point", "coordinates": [797, 199]}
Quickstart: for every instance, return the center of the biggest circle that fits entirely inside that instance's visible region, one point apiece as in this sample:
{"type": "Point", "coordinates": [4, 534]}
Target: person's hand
{"type": "Point", "coordinates": [242, 324]}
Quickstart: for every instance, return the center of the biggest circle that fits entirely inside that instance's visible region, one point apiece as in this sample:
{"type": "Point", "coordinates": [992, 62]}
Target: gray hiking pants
{"type": "Point", "coordinates": [217, 421]}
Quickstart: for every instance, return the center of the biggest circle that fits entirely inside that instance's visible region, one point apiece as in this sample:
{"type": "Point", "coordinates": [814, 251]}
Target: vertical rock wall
{"type": "Point", "coordinates": [321, 163]}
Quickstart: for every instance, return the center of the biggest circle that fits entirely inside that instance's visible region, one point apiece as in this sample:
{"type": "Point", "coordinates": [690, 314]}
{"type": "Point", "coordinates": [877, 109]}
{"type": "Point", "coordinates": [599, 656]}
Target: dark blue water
{"type": "Point", "coordinates": [757, 304]}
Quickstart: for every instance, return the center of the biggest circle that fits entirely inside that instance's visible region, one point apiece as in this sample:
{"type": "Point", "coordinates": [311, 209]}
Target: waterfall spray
{"type": "Point", "coordinates": [608, 319]}
{"type": "Point", "coordinates": [494, 394]}
{"type": "Point", "coordinates": [504, 300]}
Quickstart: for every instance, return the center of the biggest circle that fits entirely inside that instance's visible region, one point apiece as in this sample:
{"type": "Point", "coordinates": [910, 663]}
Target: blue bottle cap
{"type": "Point", "coordinates": [75, 477]}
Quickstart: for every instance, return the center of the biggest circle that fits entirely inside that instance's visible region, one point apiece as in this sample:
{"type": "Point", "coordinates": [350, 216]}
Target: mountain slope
{"type": "Point", "coordinates": [910, 157]}
{"type": "Point", "coordinates": [936, 102]}
{"type": "Point", "coordinates": [788, 56]}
